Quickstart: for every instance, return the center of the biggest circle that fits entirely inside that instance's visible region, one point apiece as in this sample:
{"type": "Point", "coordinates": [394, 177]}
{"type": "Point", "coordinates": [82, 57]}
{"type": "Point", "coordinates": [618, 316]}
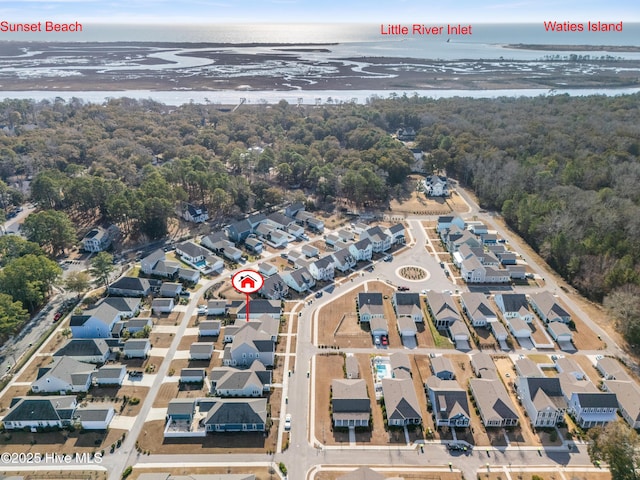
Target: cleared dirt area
{"type": "Point", "coordinates": [54, 343]}
{"type": "Point", "coordinates": [528, 475]}
{"type": "Point", "coordinates": [161, 340]}
{"type": "Point", "coordinates": [523, 434]}
{"type": "Point", "coordinates": [115, 396]}
{"type": "Point", "coordinates": [330, 316]}
{"type": "Point", "coordinates": [10, 394]}
{"type": "Point", "coordinates": [261, 473]}
{"type": "Point", "coordinates": [151, 438]}
{"type": "Point", "coordinates": [60, 442]}
{"type": "Point", "coordinates": [407, 475]}
{"type": "Point", "coordinates": [170, 319]}
{"type": "Point", "coordinates": [147, 365]}
{"type": "Point", "coordinates": [31, 372]}
{"type": "Point", "coordinates": [588, 368]}
{"type": "Point", "coordinates": [328, 368]}
{"type": "Point", "coordinates": [177, 365]}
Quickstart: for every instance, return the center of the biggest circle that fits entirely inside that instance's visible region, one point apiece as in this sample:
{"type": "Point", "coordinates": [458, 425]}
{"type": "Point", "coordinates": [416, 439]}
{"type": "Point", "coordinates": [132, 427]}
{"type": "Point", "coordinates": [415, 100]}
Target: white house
{"type": "Point", "coordinates": [63, 375]}
{"type": "Point", "coordinates": [111, 374]}
{"type": "Point", "coordinates": [543, 400]}
{"type": "Point", "coordinates": [136, 348]}
{"type": "Point", "coordinates": [323, 269]}
{"type": "Point", "coordinates": [408, 305]}
{"type": "Point", "coordinates": [267, 269]}
{"type": "Point", "coordinates": [514, 305]}
{"type": "Point", "coordinates": [407, 327]}
{"type": "Point", "coordinates": [97, 240]}
{"type": "Point", "coordinates": [370, 306]}
{"type": "Point", "coordinates": [546, 305]}
{"type": "Point", "coordinates": [37, 412]}
{"type": "Point", "coordinates": [88, 350]}
{"type": "Point", "coordinates": [362, 250]}
{"type": "Point", "coordinates": [593, 409]}
{"type": "Point", "coordinates": [94, 418]}
{"type": "Point", "coordinates": [445, 222]}
{"type": "Point", "coordinates": [476, 306]}
{"type": "Point", "coordinates": [201, 351]}
{"type": "Point", "coordinates": [162, 305]}
{"type": "Point", "coordinates": [380, 241]}
{"type": "Point", "coordinates": [209, 328]}
{"type": "Point", "coordinates": [216, 307]}
{"type": "Point", "coordinates": [192, 375]}
{"type": "Point", "coordinates": [192, 213]}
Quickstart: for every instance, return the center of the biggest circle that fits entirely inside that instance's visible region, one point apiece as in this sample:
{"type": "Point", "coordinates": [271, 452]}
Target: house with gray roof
{"type": "Point", "coordinates": [595, 409]}
{"type": "Point", "coordinates": [237, 415]}
{"type": "Point", "coordinates": [208, 476]}
{"type": "Point", "coordinates": [449, 403]}
{"type": "Point", "coordinates": [130, 287]}
{"type": "Point", "coordinates": [267, 269]}
{"type": "Point", "coordinates": [350, 403]}
{"type": "Point", "coordinates": [323, 269]}
{"type": "Point", "coordinates": [96, 240]}
{"type": "Point", "coordinates": [36, 412]}
{"type": "Point", "coordinates": [299, 280]}
{"type": "Point", "coordinates": [279, 221]}
{"type": "Point", "coordinates": [274, 288]}
{"type": "Point", "coordinates": [611, 369]}
{"type": "Point", "coordinates": [254, 245]}
{"type": "Point", "coordinates": [94, 418]}
{"type": "Point", "coordinates": [221, 246]}
{"type": "Point", "coordinates": [309, 250]}
{"type": "Point", "coordinates": [397, 234]}
{"type": "Point", "coordinates": [97, 322]}
{"type": "Point", "coordinates": [192, 375]}
{"type": "Point", "coordinates": [216, 307]}
{"type": "Point", "coordinates": [548, 307]}
{"type": "Point", "coordinates": [514, 305]}
{"type": "Point", "coordinates": [362, 250]}
{"type": "Point", "coordinates": [401, 402]}
{"type": "Point", "coordinates": [110, 374]}
{"type": "Point", "coordinates": [442, 308]}
{"type": "Point", "coordinates": [254, 381]}
{"type": "Point", "coordinates": [483, 366]}
{"type": "Point", "coordinates": [249, 344]}
{"type": "Point", "coordinates": [258, 308]}
{"type": "Point", "coordinates": [406, 328]}
{"type": "Point", "coordinates": [493, 401]}
{"type": "Point", "coordinates": [343, 260]}
{"type": "Point", "coordinates": [162, 305]}
{"type": "Point", "coordinates": [370, 306]}
{"type": "Point", "coordinates": [543, 400]}
{"type": "Point", "coordinates": [63, 374]}
{"type": "Point", "coordinates": [88, 350]}
{"type": "Point", "coordinates": [443, 368]}
{"type": "Point", "coordinates": [380, 241]}
{"type": "Point", "coordinates": [209, 328]}
{"type": "Point", "coordinates": [525, 367]}
{"type": "Point", "coordinates": [477, 308]}
{"type": "Point", "coordinates": [239, 231]}
{"type": "Point", "coordinates": [408, 305]}
{"type": "Point", "coordinates": [627, 394]}
{"type": "Point", "coordinates": [136, 348]}
{"type": "Point", "coordinates": [201, 351]}
{"type": "Point", "coordinates": [170, 289]}
{"type": "Point", "coordinates": [400, 365]}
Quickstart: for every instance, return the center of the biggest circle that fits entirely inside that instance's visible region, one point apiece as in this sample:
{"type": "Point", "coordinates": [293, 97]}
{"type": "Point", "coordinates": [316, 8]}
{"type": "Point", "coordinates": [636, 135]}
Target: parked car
{"type": "Point", "coordinates": [385, 340]}
{"type": "Point", "coordinates": [318, 294]}
{"type": "Point", "coordinates": [57, 316]}
{"type": "Point", "coordinates": [287, 422]}
{"type": "Point", "coordinates": [388, 258]}
{"type": "Point", "coordinates": [376, 340]}
{"type": "Point", "coordinates": [403, 288]}
{"type": "Point", "coordinates": [370, 268]}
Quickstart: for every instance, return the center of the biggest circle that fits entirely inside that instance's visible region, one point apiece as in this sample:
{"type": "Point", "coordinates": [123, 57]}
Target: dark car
{"type": "Point", "coordinates": [318, 294]}
{"type": "Point", "coordinates": [57, 316]}
{"type": "Point", "coordinates": [402, 288]}
{"type": "Point", "coordinates": [370, 268]}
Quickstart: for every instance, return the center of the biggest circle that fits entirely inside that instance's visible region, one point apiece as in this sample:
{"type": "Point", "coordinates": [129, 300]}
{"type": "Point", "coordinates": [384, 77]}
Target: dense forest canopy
{"type": "Point", "coordinates": [563, 170]}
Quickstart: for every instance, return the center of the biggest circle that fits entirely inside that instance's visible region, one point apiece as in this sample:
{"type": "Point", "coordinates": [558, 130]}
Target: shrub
{"type": "Point", "coordinates": [127, 471]}
{"type": "Point", "coordinates": [134, 401]}
{"type": "Point", "coordinates": [282, 468]}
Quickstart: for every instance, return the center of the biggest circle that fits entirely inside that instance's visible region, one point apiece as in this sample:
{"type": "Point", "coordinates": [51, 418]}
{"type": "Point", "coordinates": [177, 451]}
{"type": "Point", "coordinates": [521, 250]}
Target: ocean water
{"type": "Point", "coordinates": [486, 40]}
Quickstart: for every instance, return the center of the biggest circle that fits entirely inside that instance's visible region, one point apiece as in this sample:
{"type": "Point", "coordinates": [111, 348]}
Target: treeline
{"type": "Point", "coordinates": [26, 278]}
{"type": "Point", "coordinates": [563, 170]}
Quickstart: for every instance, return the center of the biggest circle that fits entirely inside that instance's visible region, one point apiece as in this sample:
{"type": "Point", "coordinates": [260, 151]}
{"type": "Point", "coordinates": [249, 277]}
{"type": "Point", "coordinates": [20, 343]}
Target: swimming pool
{"type": "Point", "coordinates": [383, 371]}
{"type": "Point", "coordinates": [201, 264]}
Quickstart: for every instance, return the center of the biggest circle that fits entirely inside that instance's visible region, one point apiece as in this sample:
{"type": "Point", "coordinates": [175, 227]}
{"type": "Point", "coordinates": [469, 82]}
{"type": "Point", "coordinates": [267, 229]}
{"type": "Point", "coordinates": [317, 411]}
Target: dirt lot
{"type": "Point", "coordinates": [522, 434]}
{"type": "Point", "coordinates": [330, 316]}
{"type": "Point", "coordinates": [60, 442]}
{"type": "Point", "coordinates": [161, 340]}
{"type": "Point", "coordinates": [54, 343]}
{"type": "Point", "coordinates": [538, 332]}
{"type": "Point", "coordinates": [31, 372]}
{"type": "Point", "coordinates": [408, 475]}
{"type": "Point", "coordinates": [147, 365]}
{"type": "Point", "coordinates": [261, 473]}
{"type": "Point", "coordinates": [10, 394]}
{"type": "Point", "coordinates": [115, 395]}
{"type": "Point", "coordinates": [171, 319]}
{"type": "Point", "coordinates": [528, 475]}
{"type": "Point", "coordinates": [181, 363]}
{"type": "Point", "coordinates": [151, 438]}
{"type": "Point", "coordinates": [328, 367]}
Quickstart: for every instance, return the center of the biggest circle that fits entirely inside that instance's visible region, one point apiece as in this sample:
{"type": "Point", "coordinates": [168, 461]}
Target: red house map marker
{"type": "Point", "coordinates": [247, 281]}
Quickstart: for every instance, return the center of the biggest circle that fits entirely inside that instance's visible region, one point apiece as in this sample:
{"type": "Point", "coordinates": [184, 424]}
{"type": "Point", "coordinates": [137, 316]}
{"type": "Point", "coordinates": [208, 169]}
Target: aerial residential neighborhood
{"type": "Point", "coordinates": [363, 335]}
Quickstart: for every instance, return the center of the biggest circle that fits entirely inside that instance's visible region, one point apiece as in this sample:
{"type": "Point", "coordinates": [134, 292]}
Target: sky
{"type": "Point", "coordinates": [320, 11]}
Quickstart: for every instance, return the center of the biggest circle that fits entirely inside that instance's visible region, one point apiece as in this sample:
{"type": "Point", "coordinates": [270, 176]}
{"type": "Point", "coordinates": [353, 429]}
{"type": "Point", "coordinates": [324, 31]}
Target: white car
{"type": "Point", "coordinates": [202, 309]}
{"type": "Point", "coordinates": [287, 422]}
